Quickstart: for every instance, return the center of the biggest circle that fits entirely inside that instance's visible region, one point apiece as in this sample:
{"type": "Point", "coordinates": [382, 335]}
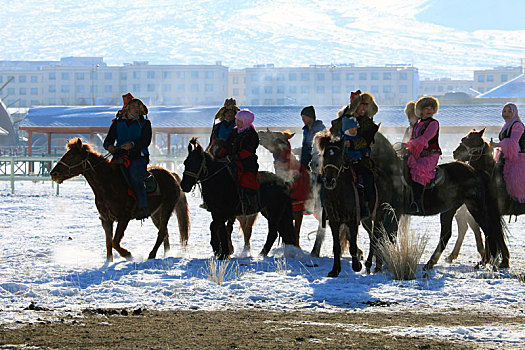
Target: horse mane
{"type": "Point", "coordinates": [77, 143]}
{"type": "Point", "coordinates": [322, 139]}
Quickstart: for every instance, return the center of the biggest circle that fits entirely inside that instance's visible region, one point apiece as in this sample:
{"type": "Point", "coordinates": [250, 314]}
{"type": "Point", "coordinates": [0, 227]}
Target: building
{"type": "Point", "coordinates": [487, 79]}
{"type": "Point", "coordinates": [237, 86]}
{"type": "Point", "coordinates": [439, 87]}
{"type": "Point", "coordinates": [328, 85]}
{"type": "Point", "coordinates": [90, 81]}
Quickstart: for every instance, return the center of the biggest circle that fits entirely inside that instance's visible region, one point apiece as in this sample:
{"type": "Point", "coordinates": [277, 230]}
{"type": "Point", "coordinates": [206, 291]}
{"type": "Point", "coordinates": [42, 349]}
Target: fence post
{"type": "Point", "coordinates": [12, 175]}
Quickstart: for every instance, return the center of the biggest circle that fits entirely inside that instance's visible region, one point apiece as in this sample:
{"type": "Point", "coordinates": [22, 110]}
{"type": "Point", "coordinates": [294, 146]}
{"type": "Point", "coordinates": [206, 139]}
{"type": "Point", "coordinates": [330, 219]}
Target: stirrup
{"type": "Point", "coordinates": [414, 208]}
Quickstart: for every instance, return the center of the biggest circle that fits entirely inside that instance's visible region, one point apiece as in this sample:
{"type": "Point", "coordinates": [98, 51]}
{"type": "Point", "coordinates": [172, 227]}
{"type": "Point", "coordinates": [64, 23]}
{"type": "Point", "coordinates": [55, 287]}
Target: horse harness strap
{"type": "Point", "coordinates": [82, 163]}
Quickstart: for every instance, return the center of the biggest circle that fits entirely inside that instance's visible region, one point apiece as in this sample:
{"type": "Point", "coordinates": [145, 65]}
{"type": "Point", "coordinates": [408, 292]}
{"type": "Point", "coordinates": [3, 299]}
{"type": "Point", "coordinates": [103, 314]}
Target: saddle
{"type": "Point", "coordinates": [438, 179]}
{"type": "Point", "coordinates": [152, 187]}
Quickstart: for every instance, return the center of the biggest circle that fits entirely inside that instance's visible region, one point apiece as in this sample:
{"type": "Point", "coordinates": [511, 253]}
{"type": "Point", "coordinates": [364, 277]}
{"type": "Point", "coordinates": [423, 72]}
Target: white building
{"type": "Point", "coordinates": [439, 87]}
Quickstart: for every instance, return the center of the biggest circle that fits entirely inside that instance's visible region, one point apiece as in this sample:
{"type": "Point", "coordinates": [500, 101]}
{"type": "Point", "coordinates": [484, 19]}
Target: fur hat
{"type": "Point", "coordinates": [229, 104]}
{"type": "Point", "coordinates": [410, 107]}
{"type": "Point", "coordinates": [126, 98]}
{"type": "Point", "coordinates": [309, 112]}
{"type": "Point", "coordinates": [356, 99]}
{"type": "Point", "coordinates": [426, 101]}
{"type": "Point", "coordinates": [143, 110]}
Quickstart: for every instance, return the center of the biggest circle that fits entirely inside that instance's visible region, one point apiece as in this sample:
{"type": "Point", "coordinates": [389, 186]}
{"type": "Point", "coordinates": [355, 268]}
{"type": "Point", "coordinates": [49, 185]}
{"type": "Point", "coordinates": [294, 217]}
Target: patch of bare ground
{"type": "Point", "coordinates": [244, 329]}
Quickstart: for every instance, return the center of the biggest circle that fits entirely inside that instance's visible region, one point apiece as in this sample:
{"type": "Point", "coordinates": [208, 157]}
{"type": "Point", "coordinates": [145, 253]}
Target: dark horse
{"type": "Point", "coordinates": [220, 193]}
{"type": "Point", "coordinates": [114, 202]}
{"type": "Point", "coordinates": [474, 150]}
{"type": "Point", "coordinates": [461, 184]}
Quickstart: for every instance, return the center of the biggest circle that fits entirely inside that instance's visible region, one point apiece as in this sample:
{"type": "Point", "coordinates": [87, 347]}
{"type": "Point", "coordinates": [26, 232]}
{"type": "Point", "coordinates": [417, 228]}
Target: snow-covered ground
{"type": "Point", "coordinates": [53, 255]}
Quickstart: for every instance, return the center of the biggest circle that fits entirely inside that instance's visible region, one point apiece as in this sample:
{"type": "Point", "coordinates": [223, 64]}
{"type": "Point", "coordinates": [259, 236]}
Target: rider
{"type": "Point", "coordinates": [310, 128]}
{"type": "Point", "coordinates": [512, 143]}
{"type": "Point", "coordinates": [222, 129]}
{"type": "Point", "coordinates": [362, 108]}
{"type": "Point", "coordinates": [244, 141]}
{"type": "Point", "coordinates": [132, 133]}
{"type": "Point", "coordinates": [410, 111]}
{"type": "Point", "coordinates": [423, 149]}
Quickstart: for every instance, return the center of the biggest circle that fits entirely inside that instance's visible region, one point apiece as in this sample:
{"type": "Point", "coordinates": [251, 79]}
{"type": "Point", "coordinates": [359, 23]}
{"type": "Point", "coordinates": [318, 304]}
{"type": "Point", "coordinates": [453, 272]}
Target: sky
{"type": "Point", "coordinates": [442, 38]}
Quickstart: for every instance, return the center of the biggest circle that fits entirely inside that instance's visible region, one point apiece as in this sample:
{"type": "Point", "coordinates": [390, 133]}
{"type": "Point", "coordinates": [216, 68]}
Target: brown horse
{"type": "Point", "coordinates": [114, 201]}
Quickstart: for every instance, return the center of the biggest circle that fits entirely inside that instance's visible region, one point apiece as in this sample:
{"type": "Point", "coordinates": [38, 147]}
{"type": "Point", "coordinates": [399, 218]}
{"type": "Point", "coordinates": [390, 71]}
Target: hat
{"type": "Point", "coordinates": [309, 112]}
{"type": "Point", "coordinates": [126, 98]}
{"type": "Point", "coordinates": [143, 110]}
{"type": "Point", "coordinates": [410, 107]}
{"type": "Point", "coordinates": [229, 104]}
{"type": "Point", "coordinates": [247, 117]}
{"type": "Point", "coordinates": [426, 101]}
{"type": "Point", "coordinates": [356, 98]}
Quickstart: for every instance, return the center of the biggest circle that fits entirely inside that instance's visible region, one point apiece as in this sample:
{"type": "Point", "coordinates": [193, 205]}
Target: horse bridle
{"type": "Point", "coordinates": [85, 163]}
{"type": "Point", "coordinates": [203, 169]}
{"type": "Point", "coordinates": [476, 151]}
{"type": "Point", "coordinates": [339, 168]}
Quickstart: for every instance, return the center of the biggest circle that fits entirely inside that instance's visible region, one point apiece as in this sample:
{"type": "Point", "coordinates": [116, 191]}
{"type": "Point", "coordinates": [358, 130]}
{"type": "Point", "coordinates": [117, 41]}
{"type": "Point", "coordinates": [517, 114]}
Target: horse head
{"type": "Point", "coordinates": [275, 141]}
{"type": "Point", "coordinates": [471, 146]}
{"type": "Point", "coordinates": [194, 165]}
{"type": "Point", "coordinates": [332, 158]}
{"type": "Point", "coordinates": [74, 162]}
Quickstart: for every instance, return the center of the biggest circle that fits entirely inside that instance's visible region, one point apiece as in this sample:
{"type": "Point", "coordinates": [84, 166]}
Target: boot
{"type": "Point", "coordinates": [143, 213]}
{"type": "Point", "coordinates": [417, 193]}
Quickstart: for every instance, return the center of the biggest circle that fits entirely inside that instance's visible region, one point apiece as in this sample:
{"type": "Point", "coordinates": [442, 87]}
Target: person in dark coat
{"type": "Point", "coordinates": [311, 127]}
{"type": "Point", "coordinates": [128, 138]}
{"type": "Point", "coordinates": [222, 129]}
{"type": "Point", "coordinates": [244, 141]}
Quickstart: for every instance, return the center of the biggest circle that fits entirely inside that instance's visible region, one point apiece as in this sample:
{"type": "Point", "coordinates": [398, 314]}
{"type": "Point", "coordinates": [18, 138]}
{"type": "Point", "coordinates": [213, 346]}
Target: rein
{"type": "Point", "coordinates": [475, 153]}
{"type": "Point", "coordinates": [203, 169]}
{"type": "Point", "coordinates": [85, 163]}
{"type": "Point", "coordinates": [339, 168]}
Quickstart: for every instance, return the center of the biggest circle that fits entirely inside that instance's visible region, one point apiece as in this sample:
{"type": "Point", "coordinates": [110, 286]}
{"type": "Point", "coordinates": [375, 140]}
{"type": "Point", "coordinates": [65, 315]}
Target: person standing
{"type": "Point", "coordinates": [128, 138]}
{"type": "Point", "coordinates": [311, 127]}
{"type": "Point", "coordinates": [512, 144]}
{"type": "Point", "coordinates": [424, 150]}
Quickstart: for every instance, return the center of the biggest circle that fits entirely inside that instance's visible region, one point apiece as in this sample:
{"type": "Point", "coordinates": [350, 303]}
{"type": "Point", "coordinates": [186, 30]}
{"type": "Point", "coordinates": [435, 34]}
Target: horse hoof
{"type": "Point", "coordinates": [129, 257]}
{"type": "Point", "coordinates": [428, 266]}
{"type": "Point", "coordinates": [450, 259]}
{"type": "Point", "coordinates": [263, 253]}
{"type": "Point", "coordinates": [333, 273]}
{"type": "Point", "coordinates": [378, 269]}
{"type": "Point", "coordinates": [504, 265]}
{"type": "Point", "coordinates": [357, 266]}
{"type": "Point", "coordinates": [368, 270]}
{"type": "Point", "coordinates": [314, 254]}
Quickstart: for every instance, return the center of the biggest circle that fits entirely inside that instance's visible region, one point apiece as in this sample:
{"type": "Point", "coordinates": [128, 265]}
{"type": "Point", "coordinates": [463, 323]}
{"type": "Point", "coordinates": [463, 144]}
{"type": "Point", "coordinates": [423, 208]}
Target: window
{"type": "Point", "coordinates": [181, 75]}
{"type": "Point", "coordinates": [209, 75]}
{"type": "Point", "coordinates": [336, 77]}
{"type": "Point", "coordinates": [440, 88]}
{"type": "Point", "coordinates": [255, 77]}
{"type": "Point", "coordinates": [481, 79]}
{"type": "Point", "coordinates": [350, 76]}
{"type": "Point", "coordinates": [280, 89]}
{"type": "Point", "coordinates": [349, 88]}
{"type": "Point", "coordinates": [280, 101]}
{"type": "Point", "coordinates": [136, 75]}
{"type": "Point", "coordinates": [292, 76]}
{"type": "Point", "coordinates": [52, 88]}
{"type": "Point", "coordinates": [94, 89]}
{"type": "Point", "coordinates": [236, 91]}
{"type": "Point", "coordinates": [255, 102]}
{"type": "Point", "coordinates": [123, 76]}
{"type": "Point", "coordinates": [305, 76]}
{"type": "Point", "coordinates": [151, 87]}
{"type": "Point", "coordinates": [53, 101]}
{"type": "Point", "coordinates": [504, 78]}
{"type": "Point", "coordinates": [65, 76]}
{"type": "Point", "coordinates": [34, 102]}
{"type": "Point", "coordinates": [292, 89]}
{"type": "Point", "coordinates": [208, 87]}
{"type": "Point", "coordinates": [194, 87]}
{"type": "Point", "coordinates": [64, 88]}
{"type": "Point", "coordinates": [374, 88]}
{"type": "Point", "coordinates": [267, 78]}
{"type": "Point", "coordinates": [362, 76]}
{"type": "Point", "coordinates": [403, 89]}
{"type": "Point", "coordinates": [481, 90]}
{"type": "Point", "coordinates": [181, 87]}
{"type": "Point", "coordinates": [387, 76]}
{"type": "Point", "coordinates": [52, 76]}
{"type": "Point", "coordinates": [34, 91]}
{"type": "Point", "coordinates": [450, 88]}
{"type": "Point", "coordinates": [403, 76]}
{"type": "Point", "coordinates": [490, 78]}
{"type": "Point", "coordinates": [387, 88]}
{"type": "Point", "coordinates": [136, 87]}
{"type": "Point", "coordinates": [22, 79]}
{"type": "Point", "coordinates": [22, 103]}
{"type": "Point", "coordinates": [167, 88]}
{"type": "Point", "coordinates": [123, 89]}
{"type": "Point", "coordinates": [22, 91]}
{"type": "Point", "coordinates": [374, 76]}
{"type": "Point", "coordinates": [108, 76]}
{"type": "Point", "coordinates": [34, 79]}
{"type": "Point", "coordinates": [279, 77]}
{"type": "Point", "coordinates": [255, 90]}
{"type": "Point", "coordinates": [268, 102]}
{"type": "Point", "coordinates": [320, 76]}
{"type": "Point", "coordinates": [166, 75]}
{"type": "Point", "coordinates": [267, 89]}
{"type": "Point", "coordinates": [150, 74]}
{"type": "Point", "coordinates": [79, 76]}
{"type": "Point", "coordinates": [320, 89]}
{"type": "Point", "coordinates": [305, 89]}
{"type": "Point", "coordinates": [108, 88]}
{"type": "Point", "coordinates": [336, 89]}
{"type": "Point", "coordinates": [194, 74]}
{"type": "Point", "coordinates": [236, 80]}
{"type": "Point", "coordinates": [80, 88]}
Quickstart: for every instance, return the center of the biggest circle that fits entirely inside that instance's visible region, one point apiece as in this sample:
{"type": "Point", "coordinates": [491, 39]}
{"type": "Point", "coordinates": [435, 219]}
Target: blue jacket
{"type": "Point", "coordinates": [308, 136]}
{"type": "Point", "coordinates": [137, 131]}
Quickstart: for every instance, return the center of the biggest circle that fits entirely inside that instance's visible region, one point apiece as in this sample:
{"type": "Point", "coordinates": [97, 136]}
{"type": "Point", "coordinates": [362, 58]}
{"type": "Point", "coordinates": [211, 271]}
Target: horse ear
{"type": "Point", "coordinates": [323, 141]}
{"type": "Point", "coordinates": [267, 129]}
{"type": "Point", "coordinates": [78, 143]}
{"type": "Point", "coordinates": [482, 131]}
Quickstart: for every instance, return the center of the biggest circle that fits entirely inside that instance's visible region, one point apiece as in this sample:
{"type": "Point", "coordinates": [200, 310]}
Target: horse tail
{"type": "Point", "coordinates": [183, 214]}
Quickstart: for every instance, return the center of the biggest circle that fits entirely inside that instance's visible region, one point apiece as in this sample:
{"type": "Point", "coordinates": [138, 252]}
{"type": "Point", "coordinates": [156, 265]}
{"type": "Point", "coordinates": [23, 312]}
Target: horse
{"type": "Point", "coordinates": [340, 199]}
{"type": "Point", "coordinates": [459, 184]}
{"type": "Point", "coordinates": [220, 194]}
{"type": "Point", "coordinates": [474, 150]}
{"type": "Point", "coordinates": [304, 194]}
{"type": "Point", "coordinates": [116, 202]}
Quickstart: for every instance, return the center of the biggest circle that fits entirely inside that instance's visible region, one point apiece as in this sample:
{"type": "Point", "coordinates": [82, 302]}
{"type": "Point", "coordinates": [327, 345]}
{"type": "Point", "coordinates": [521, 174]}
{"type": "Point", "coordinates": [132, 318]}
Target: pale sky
{"type": "Point", "coordinates": [445, 38]}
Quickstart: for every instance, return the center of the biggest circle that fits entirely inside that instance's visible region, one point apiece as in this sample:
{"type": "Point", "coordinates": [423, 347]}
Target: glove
{"type": "Point", "coordinates": [111, 149]}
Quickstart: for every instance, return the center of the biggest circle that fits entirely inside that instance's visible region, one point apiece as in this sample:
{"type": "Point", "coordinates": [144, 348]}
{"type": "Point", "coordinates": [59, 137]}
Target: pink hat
{"type": "Point", "coordinates": [247, 118]}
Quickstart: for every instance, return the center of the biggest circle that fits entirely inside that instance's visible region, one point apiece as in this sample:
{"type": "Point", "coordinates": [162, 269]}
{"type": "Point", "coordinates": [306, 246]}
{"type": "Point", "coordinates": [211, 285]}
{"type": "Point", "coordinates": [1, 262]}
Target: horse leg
{"type": "Point", "coordinates": [461, 220]}
{"type": "Point", "coordinates": [367, 224]}
{"type": "Point", "coordinates": [446, 231]}
{"type": "Point", "coordinates": [162, 235]}
{"type": "Point", "coordinates": [319, 238]}
{"type": "Point", "coordinates": [336, 269]}
{"type": "Point", "coordinates": [247, 228]}
{"type": "Point", "coordinates": [477, 234]}
{"type": "Point", "coordinates": [119, 234]}
{"type": "Point", "coordinates": [272, 236]}
{"type": "Point", "coordinates": [229, 230]}
{"type": "Point", "coordinates": [214, 238]}
{"type": "Point", "coordinates": [298, 220]}
{"type": "Point", "coordinates": [355, 252]}
{"type": "Point", "coordinates": [108, 229]}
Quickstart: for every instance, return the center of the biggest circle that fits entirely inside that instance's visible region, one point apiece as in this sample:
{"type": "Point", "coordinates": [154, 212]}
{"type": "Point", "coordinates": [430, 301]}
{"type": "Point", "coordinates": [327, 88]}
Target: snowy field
{"type": "Point", "coordinates": [53, 255]}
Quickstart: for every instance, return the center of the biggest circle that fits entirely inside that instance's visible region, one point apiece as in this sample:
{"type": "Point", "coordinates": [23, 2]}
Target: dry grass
{"type": "Point", "coordinates": [220, 271]}
{"type": "Point", "coordinates": [402, 256]}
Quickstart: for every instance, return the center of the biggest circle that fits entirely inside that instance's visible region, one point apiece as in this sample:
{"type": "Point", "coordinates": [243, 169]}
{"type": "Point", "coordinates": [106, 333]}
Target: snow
{"type": "Point", "coordinates": [53, 256]}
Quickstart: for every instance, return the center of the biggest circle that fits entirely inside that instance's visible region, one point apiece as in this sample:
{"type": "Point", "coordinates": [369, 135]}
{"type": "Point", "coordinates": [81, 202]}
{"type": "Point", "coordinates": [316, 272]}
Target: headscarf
{"type": "Point", "coordinates": [247, 118]}
{"type": "Point", "coordinates": [515, 117]}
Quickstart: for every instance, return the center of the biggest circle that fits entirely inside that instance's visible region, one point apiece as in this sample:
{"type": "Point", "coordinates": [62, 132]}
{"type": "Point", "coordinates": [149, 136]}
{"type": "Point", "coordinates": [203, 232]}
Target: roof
{"type": "Point", "coordinates": [187, 120]}
{"type": "Point", "coordinates": [511, 89]}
